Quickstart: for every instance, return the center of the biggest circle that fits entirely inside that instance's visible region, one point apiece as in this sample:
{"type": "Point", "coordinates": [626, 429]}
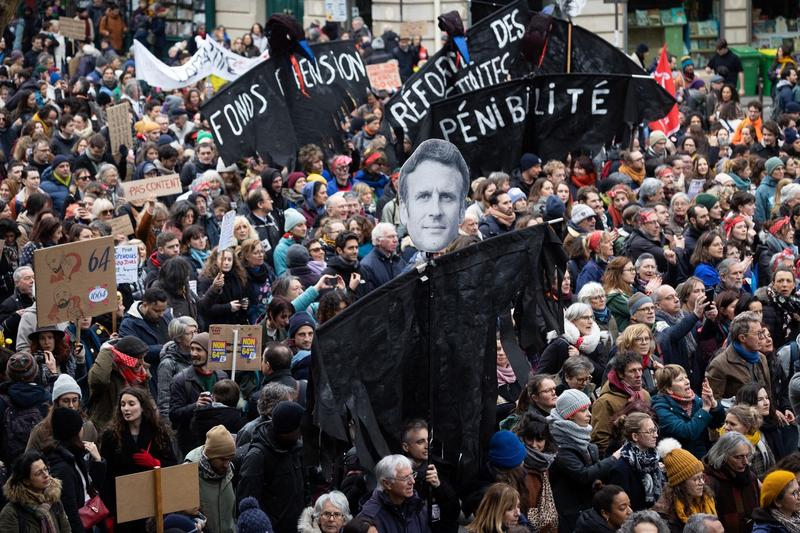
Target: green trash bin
{"type": "Point", "coordinates": [750, 59]}
{"type": "Point", "coordinates": [765, 63]}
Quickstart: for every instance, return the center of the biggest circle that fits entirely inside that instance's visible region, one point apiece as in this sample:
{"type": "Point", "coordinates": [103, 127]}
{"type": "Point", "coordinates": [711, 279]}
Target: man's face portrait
{"type": "Point", "coordinates": [432, 202]}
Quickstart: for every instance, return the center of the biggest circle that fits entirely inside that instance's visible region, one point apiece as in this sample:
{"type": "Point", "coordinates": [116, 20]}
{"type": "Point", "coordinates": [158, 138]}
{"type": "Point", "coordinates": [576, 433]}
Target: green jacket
{"type": "Point", "coordinates": [617, 303]}
{"type": "Point", "coordinates": [105, 384]}
{"type": "Point", "coordinates": [20, 502]}
{"type": "Point", "coordinates": [217, 499]}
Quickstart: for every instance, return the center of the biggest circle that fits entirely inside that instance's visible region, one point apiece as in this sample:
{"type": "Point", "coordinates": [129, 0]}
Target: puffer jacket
{"type": "Point", "coordinates": [171, 361]}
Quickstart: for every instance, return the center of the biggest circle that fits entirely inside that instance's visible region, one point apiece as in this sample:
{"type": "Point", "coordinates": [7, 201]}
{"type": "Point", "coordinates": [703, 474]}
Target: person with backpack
{"type": "Point", "coordinates": [23, 404]}
{"type": "Point", "coordinates": [34, 498]}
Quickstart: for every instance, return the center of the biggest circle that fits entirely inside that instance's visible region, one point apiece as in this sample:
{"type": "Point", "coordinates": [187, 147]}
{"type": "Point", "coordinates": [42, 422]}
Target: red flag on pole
{"type": "Point", "coordinates": [670, 123]}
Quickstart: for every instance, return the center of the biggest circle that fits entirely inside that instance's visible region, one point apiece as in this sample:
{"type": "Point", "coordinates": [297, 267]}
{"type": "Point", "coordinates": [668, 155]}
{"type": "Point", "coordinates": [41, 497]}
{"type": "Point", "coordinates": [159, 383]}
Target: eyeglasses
{"type": "Point", "coordinates": [581, 380]}
{"type": "Point", "coordinates": [82, 177]}
{"type": "Point", "coordinates": [315, 249]}
{"type": "Point", "coordinates": [106, 212]}
{"type": "Point", "coordinates": [547, 391]}
{"type": "Point", "coordinates": [652, 432]}
{"type": "Point", "coordinates": [742, 457]}
{"type": "Point", "coordinates": [631, 269]}
{"type": "Point", "coordinates": [643, 340]}
{"type": "Point", "coordinates": [405, 479]}
{"type": "Point", "coordinates": [332, 515]}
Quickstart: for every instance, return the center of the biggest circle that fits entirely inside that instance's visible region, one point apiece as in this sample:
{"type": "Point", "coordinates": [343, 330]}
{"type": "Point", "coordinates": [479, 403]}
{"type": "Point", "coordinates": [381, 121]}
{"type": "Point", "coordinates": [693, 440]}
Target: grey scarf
{"type": "Point", "coordinates": [568, 433]}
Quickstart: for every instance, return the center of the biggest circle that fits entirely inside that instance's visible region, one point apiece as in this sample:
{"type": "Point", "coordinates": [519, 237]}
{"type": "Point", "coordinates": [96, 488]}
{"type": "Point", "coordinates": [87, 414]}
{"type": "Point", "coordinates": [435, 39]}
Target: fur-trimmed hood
{"type": "Point", "coordinates": [19, 494]}
{"type": "Point", "coordinates": [588, 343]}
{"type": "Point", "coordinates": [307, 523]}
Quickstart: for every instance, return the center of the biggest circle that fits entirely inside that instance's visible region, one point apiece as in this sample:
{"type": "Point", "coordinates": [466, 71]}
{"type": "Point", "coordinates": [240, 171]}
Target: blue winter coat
{"type": "Point", "coordinates": [377, 181]}
{"type": "Point", "coordinates": [410, 517]}
{"type": "Point", "coordinates": [593, 270]}
{"type": "Point", "coordinates": [56, 190]}
{"type": "Point", "coordinates": [707, 274]}
{"type": "Point", "coordinates": [378, 269]}
{"type": "Point", "coordinates": [765, 196]}
{"type": "Point", "coordinates": [134, 324]}
{"type": "Point", "coordinates": [691, 432]}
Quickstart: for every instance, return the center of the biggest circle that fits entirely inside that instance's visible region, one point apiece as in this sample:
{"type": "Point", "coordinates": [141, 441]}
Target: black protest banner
{"type": "Point", "coordinates": [321, 93]}
{"type": "Point", "coordinates": [249, 117]}
{"type": "Point", "coordinates": [494, 50]}
{"type": "Point", "coordinates": [590, 53]}
{"type": "Point", "coordinates": [583, 112]}
{"type": "Point", "coordinates": [486, 125]}
{"type": "Point", "coordinates": [433, 360]}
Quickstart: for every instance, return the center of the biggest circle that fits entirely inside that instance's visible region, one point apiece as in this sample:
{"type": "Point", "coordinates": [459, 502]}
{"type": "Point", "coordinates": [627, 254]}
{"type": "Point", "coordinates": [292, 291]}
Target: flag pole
{"type": "Point", "coordinates": [569, 47]}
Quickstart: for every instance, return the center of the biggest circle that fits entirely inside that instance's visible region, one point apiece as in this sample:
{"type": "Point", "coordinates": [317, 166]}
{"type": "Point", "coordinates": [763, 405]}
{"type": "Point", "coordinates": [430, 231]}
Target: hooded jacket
{"type": "Point", "coordinates": [171, 361]}
{"type": "Point", "coordinates": [133, 323]}
{"type": "Point", "coordinates": [57, 189]}
{"type": "Point", "coordinates": [273, 474]}
{"type": "Point", "coordinates": [21, 396]}
{"type": "Point", "coordinates": [20, 504]}
{"type": "Point", "coordinates": [409, 517]}
{"type": "Point", "coordinates": [765, 198]}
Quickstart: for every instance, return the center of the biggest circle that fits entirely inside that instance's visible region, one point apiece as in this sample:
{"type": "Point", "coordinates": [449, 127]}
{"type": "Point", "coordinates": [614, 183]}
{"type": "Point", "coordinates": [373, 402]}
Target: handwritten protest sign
{"type": "Point", "coordinates": [121, 226]}
{"type": "Point", "coordinates": [119, 126]}
{"type": "Point", "coordinates": [141, 190]}
{"type": "Point", "coordinates": [126, 259]}
{"type": "Point", "coordinates": [384, 76]}
{"type": "Point", "coordinates": [137, 493]}
{"type": "Point", "coordinates": [248, 352]}
{"type": "Point", "coordinates": [72, 28]}
{"type": "Point", "coordinates": [414, 28]}
{"type": "Point", "coordinates": [226, 239]}
{"type": "Point", "coordinates": [75, 280]}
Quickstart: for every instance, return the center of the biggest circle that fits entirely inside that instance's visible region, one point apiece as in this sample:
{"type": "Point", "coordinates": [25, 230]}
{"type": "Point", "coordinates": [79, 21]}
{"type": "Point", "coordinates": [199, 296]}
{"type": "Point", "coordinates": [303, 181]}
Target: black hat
{"type": "Point", "coordinates": [286, 417]}
{"type": "Point", "coordinates": [132, 346]}
{"type": "Point", "coordinates": [57, 333]}
{"type": "Point", "coordinates": [67, 423]}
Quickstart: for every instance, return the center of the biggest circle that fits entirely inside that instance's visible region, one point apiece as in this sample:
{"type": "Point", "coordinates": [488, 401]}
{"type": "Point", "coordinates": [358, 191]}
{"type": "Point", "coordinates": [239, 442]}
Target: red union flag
{"type": "Point", "coordinates": [669, 123]}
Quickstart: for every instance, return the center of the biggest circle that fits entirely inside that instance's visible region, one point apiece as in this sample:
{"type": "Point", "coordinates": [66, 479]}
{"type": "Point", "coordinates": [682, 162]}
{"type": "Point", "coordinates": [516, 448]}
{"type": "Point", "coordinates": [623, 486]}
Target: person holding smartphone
{"type": "Point", "coordinates": [222, 285]}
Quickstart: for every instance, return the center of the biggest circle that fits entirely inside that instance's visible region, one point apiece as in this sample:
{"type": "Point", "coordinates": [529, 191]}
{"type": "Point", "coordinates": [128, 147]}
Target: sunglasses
{"type": "Point", "coordinates": [106, 212]}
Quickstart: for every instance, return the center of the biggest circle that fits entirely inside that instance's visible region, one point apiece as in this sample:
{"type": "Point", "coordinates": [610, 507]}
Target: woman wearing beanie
{"type": "Point", "coordinates": [685, 492]}
{"type": "Point", "coordinates": [637, 470]}
{"type": "Point", "coordinates": [66, 393]}
{"type": "Point", "coordinates": [732, 481]}
{"type": "Point", "coordinates": [746, 420]}
{"type": "Point", "coordinates": [136, 441]}
{"type": "Point", "coordinates": [34, 498]}
{"type": "Point", "coordinates": [504, 465]}
{"type": "Point", "coordinates": [577, 465]}
{"type": "Point", "coordinates": [79, 476]}
{"type": "Point", "coordinates": [780, 504]}
{"type": "Point", "coordinates": [540, 452]}
{"type": "Point", "coordinates": [610, 508]}
{"type": "Point", "coordinates": [601, 249]}
{"type": "Point", "coordinates": [582, 336]}
{"type": "Point", "coordinates": [682, 415]}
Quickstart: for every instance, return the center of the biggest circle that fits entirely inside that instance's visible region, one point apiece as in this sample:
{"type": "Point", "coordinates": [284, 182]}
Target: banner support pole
{"type": "Point", "coordinates": [569, 47]}
{"type": "Point", "coordinates": [159, 501]}
{"type": "Point", "coordinates": [235, 346]}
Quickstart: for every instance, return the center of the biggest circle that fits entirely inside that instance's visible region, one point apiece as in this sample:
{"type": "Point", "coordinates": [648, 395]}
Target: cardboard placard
{"type": "Point", "coordinates": [384, 76]}
{"type": "Point", "coordinates": [119, 126]}
{"type": "Point", "coordinates": [180, 489]}
{"type": "Point", "coordinates": [72, 28]}
{"type": "Point", "coordinates": [126, 259]}
{"type": "Point", "coordinates": [220, 342]}
{"type": "Point", "coordinates": [226, 238]}
{"type": "Point", "coordinates": [141, 190]}
{"type": "Point", "coordinates": [75, 280]}
{"type": "Point", "coordinates": [121, 226]}
{"type": "Point", "coordinates": [414, 28]}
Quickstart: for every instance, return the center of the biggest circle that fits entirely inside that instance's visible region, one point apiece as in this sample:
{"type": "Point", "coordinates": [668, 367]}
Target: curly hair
{"type": "Point", "coordinates": [150, 417]}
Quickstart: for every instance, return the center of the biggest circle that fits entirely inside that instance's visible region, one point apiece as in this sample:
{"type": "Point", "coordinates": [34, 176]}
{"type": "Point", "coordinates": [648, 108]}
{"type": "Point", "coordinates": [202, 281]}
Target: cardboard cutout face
{"type": "Point", "coordinates": [433, 186]}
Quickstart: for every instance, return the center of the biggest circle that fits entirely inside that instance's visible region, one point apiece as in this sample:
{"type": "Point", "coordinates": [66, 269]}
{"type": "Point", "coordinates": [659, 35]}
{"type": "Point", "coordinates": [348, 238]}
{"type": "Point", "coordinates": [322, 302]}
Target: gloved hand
{"type": "Point", "coordinates": [143, 458]}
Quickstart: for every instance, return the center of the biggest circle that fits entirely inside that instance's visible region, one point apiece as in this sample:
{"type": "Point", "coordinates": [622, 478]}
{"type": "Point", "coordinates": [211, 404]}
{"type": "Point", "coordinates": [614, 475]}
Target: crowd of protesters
{"type": "Point", "coordinates": [667, 403]}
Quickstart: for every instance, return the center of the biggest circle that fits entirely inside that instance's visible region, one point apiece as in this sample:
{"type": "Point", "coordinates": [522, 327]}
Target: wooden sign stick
{"type": "Point", "coordinates": [159, 502]}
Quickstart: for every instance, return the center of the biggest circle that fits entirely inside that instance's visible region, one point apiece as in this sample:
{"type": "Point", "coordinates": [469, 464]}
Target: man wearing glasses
{"type": "Point", "coordinates": [633, 166]}
{"type": "Point", "coordinates": [741, 362]}
{"type": "Point", "coordinates": [395, 505]}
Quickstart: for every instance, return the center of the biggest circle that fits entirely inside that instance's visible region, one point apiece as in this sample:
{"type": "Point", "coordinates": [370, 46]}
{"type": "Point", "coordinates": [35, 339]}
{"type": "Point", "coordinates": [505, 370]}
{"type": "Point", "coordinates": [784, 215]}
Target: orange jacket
{"type": "Point", "coordinates": [116, 28]}
{"type": "Point", "coordinates": [737, 137]}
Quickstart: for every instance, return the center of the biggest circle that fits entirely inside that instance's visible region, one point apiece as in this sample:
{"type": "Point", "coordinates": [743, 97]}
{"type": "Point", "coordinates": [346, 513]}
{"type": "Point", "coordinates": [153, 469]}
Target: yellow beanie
{"type": "Point", "coordinates": [316, 177]}
{"type": "Point", "coordinates": [219, 443]}
{"type": "Point", "coordinates": [773, 484]}
{"type": "Point", "coordinates": [680, 464]}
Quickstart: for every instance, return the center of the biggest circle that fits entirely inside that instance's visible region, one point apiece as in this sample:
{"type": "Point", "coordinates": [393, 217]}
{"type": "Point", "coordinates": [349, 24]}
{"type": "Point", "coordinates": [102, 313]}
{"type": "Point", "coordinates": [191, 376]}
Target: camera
{"type": "Point", "coordinates": [40, 358]}
{"type": "Point", "coordinates": [330, 281]}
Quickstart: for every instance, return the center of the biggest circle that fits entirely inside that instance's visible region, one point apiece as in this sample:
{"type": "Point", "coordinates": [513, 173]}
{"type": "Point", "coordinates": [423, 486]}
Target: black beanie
{"type": "Point", "coordinates": [67, 423]}
{"type": "Point", "coordinates": [286, 417]}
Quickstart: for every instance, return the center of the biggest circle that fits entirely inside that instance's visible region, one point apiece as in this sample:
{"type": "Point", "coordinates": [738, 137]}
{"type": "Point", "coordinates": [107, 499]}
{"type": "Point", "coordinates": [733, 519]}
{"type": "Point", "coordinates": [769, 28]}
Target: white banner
{"type": "Point", "coordinates": [210, 58]}
{"type": "Point", "coordinates": [127, 260]}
